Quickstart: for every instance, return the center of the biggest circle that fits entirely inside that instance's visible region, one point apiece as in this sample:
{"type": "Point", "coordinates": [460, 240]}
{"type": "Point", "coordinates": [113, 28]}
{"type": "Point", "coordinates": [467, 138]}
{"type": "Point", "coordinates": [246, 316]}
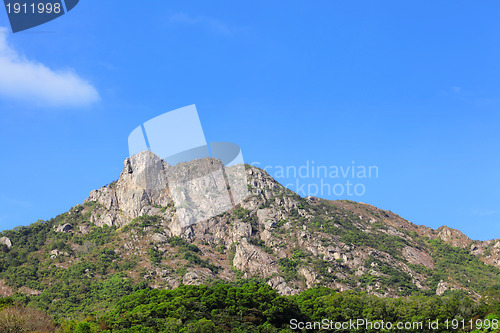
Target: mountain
{"type": "Point", "coordinates": [126, 237]}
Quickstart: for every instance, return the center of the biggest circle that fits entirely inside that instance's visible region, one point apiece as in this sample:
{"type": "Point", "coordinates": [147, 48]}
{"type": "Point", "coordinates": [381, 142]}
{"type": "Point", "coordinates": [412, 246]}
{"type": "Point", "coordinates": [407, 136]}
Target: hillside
{"type": "Point", "coordinates": [124, 239]}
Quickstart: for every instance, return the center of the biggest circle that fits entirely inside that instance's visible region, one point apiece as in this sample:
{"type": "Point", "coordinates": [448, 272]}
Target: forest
{"type": "Point", "coordinates": [256, 307]}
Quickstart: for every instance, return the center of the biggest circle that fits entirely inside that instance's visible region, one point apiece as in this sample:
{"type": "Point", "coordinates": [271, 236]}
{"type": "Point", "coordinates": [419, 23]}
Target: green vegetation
{"type": "Point", "coordinates": [246, 217]}
{"type": "Point", "coordinates": [398, 279]}
{"type": "Point", "coordinates": [259, 242]}
{"type": "Point", "coordinates": [289, 268]}
{"type": "Point", "coordinates": [342, 223]}
{"type": "Point", "coordinates": [143, 222]}
{"type": "Point", "coordinates": [255, 307]}
{"type": "Point", "coordinates": [195, 259]}
{"type": "Point", "coordinates": [90, 278]}
{"type": "Point", "coordinates": [460, 266]}
{"type": "Point", "coordinates": [182, 244]}
{"type": "Point", "coordinates": [99, 279]}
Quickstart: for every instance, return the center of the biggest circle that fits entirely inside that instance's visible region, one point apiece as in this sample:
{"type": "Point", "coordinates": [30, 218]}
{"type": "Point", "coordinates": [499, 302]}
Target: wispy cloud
{"type": "Point", "coordinates": [209, 23]}
{"type": "Point", "coordinates": [33, 82]}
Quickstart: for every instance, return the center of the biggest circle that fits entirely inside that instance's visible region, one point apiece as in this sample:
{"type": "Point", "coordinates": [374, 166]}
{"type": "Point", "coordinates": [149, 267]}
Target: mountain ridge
{"type": "Point", "coordinates": [123, 231]}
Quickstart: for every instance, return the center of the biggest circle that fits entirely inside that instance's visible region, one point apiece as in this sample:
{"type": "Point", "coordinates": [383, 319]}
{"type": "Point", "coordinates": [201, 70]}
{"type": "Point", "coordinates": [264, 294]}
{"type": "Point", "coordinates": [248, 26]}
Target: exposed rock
{"type": "Point", "coordinates": [266, 218]}
{"type": "Point", "coordinates": [64, 228]}
{"type": "Point", "coordinates": [196, 276]}
{"type": "Point", "coordinates": [157, 272]}
{"type": "Point", "coordinates": [476, 250]}
{"type": "Point", "coordinates": [241, 230]}
{"type": "Point", "coordinates": [149, 186]}
{"type": "Point", "coordinates": [441, 288]}
{"type": "Point", "coordinates": [444, 286]}
{"type": "Point", "coordinates": [84, 229]}
{"type": "Point", "coordinates": [360, 270]}
{"type": "Point", "coordinates": [313, 200]}
{"type": "Point", "coordinates": [278, 283]}
{"type": "Point", "coordinates": [6, 241]}
{"type": "Point", "coordinates": [453, 237]}
{"type": "Point", "coordinates": [29, 291]}
{"type": "Point", "coordinates": [253, 259]}
{"type": "Point", "coordinates": [393, 232]}
{"type": "Point", "coordinates": [142, 186]}
{"type": "Point", "coordinates": [199, 190]}
{"type": "Point", "coordinates": [266, 235]}
{"type": "Point", "coordinates": [55, 253]}
{"type": "Point", "coordinates": [173, 282]}
{"type": "Point", "coordinates": [5, 290]}
{"type": "Point", "coordinates": [159, 238]}
{"type": "Point", "coordinates": [418, 257]}
{"type": "Point", "coordinates": [310, 276]}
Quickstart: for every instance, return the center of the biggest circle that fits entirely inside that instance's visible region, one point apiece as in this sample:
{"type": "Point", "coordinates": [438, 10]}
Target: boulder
{"type": "Point", "coordinates": [6, 241]}
{"type": "Point", "coordinates": [64, 228]}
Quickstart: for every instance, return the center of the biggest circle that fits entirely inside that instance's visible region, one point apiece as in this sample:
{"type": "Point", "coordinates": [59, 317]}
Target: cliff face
{"type": "Point", "coordinates": [291, 243]}
{"type": "Point", "coordinates": [195, 191]}
{"type": "Point", "coordinates": [140, 189]}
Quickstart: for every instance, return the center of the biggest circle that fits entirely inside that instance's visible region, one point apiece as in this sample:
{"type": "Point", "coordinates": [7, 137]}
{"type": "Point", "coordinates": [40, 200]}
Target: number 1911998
{"type": "Point", "coordinates": [40, 8]}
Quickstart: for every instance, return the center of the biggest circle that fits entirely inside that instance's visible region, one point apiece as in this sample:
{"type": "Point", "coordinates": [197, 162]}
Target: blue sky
{"type": "Point", "coordinates": [410, 87]}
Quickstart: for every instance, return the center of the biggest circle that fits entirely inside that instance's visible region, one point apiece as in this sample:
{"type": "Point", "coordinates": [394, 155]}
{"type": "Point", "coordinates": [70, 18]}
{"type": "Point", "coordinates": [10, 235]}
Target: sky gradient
{"type": "Point", "coordinates": [412, 88]}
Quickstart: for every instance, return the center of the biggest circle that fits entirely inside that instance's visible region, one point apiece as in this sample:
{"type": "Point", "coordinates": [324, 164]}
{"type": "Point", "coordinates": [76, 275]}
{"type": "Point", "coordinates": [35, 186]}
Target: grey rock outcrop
{"type": "Point", "coordinates": [310, 276]}
{"type": "Point", "coordinates": [196, 276]}
{"type": "Point", "coordinates": [198, 189]}
{"type": "Point", "coordinates": [6, 241]}
{"type": "Point", "coordinates": [278, 283]}
{"type": "Point", "coordinates": [442, 287]}
{"type": "Point", "coordinates": [84, 229]}
{"type": "Point", "coordinates": [159, 238]}
{"type": "Point", "coordinates": [453, 237]}
{"type": "Point", "coordinates": [140, 190]}
{"type": "Point", "coordinates": [418, 257]}
{"type": "Point", "coordinates": [56, 252]}
{"type": "Point", "coordinates": [66, 227]}
{"type": "Point", "coordinates": [253, 259]}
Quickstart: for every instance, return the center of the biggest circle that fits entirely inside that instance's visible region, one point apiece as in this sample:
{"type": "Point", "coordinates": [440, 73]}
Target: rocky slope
{"type": "Point", "coordinates": [132, 227]}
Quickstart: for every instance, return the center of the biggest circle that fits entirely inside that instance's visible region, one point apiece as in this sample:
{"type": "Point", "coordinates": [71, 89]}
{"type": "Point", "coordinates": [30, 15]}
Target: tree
{"type": "Point", "coordinates": [202, 326]}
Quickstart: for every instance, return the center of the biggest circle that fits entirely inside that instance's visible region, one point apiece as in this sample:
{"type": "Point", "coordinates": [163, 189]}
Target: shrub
{"type": "Point", "coordinates": [15, 319]}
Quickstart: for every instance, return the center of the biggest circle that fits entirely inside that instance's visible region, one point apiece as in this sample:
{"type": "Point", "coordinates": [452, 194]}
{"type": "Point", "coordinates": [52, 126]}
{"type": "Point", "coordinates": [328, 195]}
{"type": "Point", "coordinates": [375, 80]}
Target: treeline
{"type": "Point", "coordinates": [254, 307]}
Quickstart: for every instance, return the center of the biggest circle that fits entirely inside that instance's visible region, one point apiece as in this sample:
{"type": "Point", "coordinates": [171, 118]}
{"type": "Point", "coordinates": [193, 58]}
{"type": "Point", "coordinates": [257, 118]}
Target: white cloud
{"type": "Point", "coordinates": [34, 82]}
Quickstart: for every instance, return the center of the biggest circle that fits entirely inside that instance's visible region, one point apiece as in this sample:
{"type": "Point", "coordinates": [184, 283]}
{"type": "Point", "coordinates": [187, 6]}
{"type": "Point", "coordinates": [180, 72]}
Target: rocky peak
{"type": "Point", "coordinates": [292, 242]}
{"type": "Point", "coordinates": [140, 190]}
{"type": "Point", "coordinates": [453, 237]}
{"type": "Point", "coordinates": [150, 186]}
